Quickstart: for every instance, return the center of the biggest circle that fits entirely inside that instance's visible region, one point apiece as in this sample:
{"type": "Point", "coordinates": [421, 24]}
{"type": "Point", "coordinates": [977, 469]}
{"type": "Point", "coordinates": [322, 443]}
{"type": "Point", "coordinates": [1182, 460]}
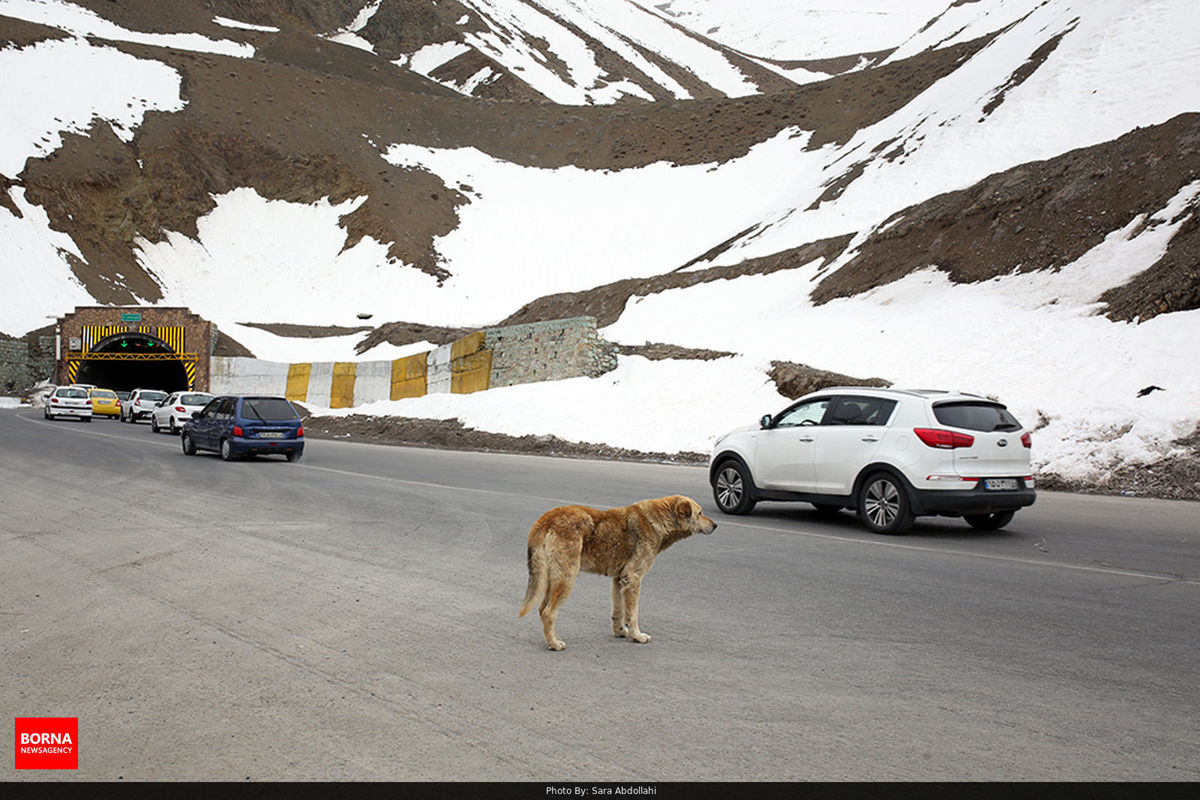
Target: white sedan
{"type": "Point", "coordinates": [68, 401]}
{"type": "Point", "coordinates": [176, 410]}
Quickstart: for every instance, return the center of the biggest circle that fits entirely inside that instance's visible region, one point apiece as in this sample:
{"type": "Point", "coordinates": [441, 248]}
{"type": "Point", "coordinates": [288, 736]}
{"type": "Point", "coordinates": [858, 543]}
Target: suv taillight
{"type": "Point", "coordinates": [1027, 439]}
{"type": "Point", "coordinates": [944, 440]}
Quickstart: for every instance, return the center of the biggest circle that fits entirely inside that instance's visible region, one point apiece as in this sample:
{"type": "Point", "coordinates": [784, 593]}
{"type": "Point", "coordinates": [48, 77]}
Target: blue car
{"type": "Point", "coordinates": [236, 426]}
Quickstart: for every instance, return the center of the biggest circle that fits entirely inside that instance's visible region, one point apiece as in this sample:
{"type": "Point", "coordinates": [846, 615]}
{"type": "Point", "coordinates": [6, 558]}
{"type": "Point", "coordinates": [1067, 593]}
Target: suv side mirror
{"type": "Point", "coordinates": [765, 422]}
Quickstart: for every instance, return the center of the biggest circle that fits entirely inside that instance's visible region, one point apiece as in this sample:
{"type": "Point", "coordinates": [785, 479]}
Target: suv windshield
{"type": "Point", "coordinates": [976, 416]}
{"type": "Point", "coordinates": [265, 408]}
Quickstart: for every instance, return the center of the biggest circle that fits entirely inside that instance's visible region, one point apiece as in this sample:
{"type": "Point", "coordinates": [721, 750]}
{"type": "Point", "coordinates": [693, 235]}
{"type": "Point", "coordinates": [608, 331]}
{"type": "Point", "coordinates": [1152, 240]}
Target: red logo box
{"type": "Point", "coordinates": [47, 742]}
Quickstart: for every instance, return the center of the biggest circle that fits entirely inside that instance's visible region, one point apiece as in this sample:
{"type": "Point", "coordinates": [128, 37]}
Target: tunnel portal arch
{"type": "Point", "coordinates": [128, 361]}
{"type": "Point", "coordinates": [123, 348]}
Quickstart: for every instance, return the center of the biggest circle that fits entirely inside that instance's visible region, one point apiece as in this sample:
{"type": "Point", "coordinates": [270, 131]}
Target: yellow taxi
{"type": "Point", "coordinates": [105, 403]}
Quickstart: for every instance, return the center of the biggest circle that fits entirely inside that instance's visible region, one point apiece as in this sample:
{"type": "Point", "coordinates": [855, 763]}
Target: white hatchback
{"type": "Point", "coordinates": [177, 409]}
{"type": "Point", "coordinates": [890, 454]}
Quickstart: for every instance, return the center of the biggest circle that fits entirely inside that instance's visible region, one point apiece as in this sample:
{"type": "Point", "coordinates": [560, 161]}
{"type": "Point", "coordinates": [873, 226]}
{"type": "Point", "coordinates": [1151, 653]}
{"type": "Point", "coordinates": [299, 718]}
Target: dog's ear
{"type": "Point", "coordinates": [683, 508]}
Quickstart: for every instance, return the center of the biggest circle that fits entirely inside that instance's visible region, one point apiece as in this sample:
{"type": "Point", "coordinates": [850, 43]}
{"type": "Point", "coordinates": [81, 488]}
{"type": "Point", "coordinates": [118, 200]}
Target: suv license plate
{"type": "Point", "coordinates": [1000, 484]}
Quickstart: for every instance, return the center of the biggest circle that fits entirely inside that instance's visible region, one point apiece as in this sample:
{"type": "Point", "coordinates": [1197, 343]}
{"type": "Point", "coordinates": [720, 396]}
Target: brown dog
{"type": "Point", "coordinates": [620, 542]}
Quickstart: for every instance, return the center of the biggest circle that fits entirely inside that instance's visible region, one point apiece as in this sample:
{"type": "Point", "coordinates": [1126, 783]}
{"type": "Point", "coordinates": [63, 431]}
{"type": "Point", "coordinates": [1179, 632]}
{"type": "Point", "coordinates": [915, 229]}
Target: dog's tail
{"type": "Point", "coordinates": [536, 557]}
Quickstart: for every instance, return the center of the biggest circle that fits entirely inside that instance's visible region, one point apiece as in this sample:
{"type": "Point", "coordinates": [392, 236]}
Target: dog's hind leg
{"type": "Point", "coordinates": [618, 610]}
{"type": "Point", "coordinates": [560, 589]}
{"type": "Point", "coordinates": [562, 568]}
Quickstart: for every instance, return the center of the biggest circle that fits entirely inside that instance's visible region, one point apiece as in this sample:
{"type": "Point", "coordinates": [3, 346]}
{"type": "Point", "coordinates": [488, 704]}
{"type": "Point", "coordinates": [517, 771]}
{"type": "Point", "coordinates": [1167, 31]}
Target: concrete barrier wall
{"type": "Point", "coordinates": [372, 382]}
{"type": "Point", "coordinates": [493, 357]}
{"type": "Point", "coordinates": [251, 376]}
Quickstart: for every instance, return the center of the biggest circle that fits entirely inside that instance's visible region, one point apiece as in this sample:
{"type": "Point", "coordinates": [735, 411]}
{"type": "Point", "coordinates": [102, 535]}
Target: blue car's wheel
{"type": "Point", "coordinates": [226, 450]}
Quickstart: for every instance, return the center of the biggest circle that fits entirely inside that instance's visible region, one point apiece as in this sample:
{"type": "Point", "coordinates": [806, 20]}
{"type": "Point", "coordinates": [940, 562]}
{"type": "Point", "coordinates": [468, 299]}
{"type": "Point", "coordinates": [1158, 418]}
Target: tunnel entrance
{"type": "Point", "coordinates": [134, 347]}
{"type": "Point", "coordinates": [133, 360]}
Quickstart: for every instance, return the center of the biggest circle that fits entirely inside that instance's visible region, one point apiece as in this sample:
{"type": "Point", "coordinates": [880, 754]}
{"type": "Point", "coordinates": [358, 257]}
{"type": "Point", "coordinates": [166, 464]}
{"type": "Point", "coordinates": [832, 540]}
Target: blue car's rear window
{"type": "Point", "coordinates": [268, 408]}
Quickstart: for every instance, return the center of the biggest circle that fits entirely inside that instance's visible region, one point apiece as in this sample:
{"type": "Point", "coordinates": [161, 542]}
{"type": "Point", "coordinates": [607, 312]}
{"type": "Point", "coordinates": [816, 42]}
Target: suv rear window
{"type": "Point", "coordinates": [268, 408]}
{"type": "Point", "coordinates": [976, 416]}
{"type": "Point", "coordinates": [152, 396]}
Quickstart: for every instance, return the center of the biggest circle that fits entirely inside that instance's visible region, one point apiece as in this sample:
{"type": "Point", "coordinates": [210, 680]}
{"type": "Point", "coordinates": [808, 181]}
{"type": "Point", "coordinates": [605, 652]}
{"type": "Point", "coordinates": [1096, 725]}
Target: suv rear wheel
{"type": "Point", "coordinates": [733, 488]}
{"type": "Point", "coordinates": [883, 504]}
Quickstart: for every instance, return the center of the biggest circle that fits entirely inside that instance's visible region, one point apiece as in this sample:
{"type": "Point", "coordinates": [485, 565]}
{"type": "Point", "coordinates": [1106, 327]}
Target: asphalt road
{"type": "Point", "coordinates": [354, 617]}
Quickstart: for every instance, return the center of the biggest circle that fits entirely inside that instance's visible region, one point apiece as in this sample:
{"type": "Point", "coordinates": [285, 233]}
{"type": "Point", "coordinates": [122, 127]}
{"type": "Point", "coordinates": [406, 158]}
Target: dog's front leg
{"type": "Point", "coordinates": [630, 587]}
{"type": "Point", "coordinates": [618, 609]}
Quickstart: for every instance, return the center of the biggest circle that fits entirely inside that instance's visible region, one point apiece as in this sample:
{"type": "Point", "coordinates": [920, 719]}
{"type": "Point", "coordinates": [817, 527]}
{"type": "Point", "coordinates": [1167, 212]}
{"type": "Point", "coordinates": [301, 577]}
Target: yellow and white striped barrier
{"type": "Point", "coordinates": [460, 368]}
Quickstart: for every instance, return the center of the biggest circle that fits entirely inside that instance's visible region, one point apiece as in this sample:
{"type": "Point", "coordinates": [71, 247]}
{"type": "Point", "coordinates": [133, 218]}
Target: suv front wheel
{"type": "Point", "coordinates": [883, 504]}
{"type": "Point", "coordinates": [733, 488]}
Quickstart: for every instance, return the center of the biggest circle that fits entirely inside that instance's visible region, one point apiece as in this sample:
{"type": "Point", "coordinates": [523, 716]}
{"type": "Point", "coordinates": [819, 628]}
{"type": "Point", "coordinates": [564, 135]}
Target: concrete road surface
{"type": "Point", "coordinates": [354, 617]}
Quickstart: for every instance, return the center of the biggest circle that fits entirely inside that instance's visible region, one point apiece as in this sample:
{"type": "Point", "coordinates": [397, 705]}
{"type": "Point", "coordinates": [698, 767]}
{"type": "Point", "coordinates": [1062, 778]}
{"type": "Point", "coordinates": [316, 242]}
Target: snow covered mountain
{"type": "Point", "coordinates": [998, 196]}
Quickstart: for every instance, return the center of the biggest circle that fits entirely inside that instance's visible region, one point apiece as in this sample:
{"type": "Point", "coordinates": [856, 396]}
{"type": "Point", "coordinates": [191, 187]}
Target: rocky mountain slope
{"type": "Point", "coordinates": [299, 121]}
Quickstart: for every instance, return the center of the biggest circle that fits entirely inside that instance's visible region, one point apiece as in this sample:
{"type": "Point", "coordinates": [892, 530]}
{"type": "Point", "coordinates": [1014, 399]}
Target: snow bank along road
{"type": "Point", "coordinates": [354, 616]}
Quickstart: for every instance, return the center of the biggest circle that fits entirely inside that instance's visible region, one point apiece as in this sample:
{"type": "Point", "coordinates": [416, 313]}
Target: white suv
{"type": "Point", "coordinates": [140, 404]}
{"type": "Point", "coordinates": [890, 454]}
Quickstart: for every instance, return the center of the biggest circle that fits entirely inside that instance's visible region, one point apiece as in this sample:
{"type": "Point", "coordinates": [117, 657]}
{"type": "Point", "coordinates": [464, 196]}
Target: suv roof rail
{"type": "Point", "coordinates": [959, 392]}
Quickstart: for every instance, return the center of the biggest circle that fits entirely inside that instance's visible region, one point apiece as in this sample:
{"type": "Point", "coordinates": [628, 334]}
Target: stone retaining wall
{"type": "Point", "coordinates": [548, 351]}
{"type": "Point", "coordinates": [24, 363]}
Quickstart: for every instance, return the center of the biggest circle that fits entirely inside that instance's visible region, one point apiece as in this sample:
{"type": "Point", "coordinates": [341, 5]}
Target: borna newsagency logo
{"type": "Point", "coordinates": [46, 742]}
